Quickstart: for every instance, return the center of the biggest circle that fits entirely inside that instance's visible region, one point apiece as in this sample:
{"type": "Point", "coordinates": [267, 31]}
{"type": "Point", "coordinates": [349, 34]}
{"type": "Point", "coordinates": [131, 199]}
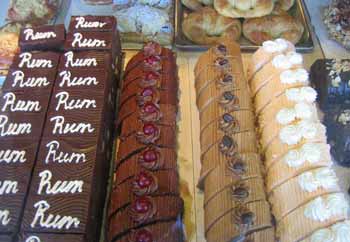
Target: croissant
{"type": "Point", "coordinates": [207, 27]}
{"type": "Point", "coordinates": [244, 8]}
{"type": "Point", "coordinates": [271, 27]}
{"type": "Point", "coordinates": [196, 4]}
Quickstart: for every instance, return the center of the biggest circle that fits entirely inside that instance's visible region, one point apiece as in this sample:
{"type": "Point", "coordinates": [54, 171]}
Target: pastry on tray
{"type": "Point", "coordinates": [270, 27]}
{"type": "Point", "coordinates": [215, 177]}
{"type": "Point", "coordinates": [240, 192]}
{"type": "Point", "coordinates": [136, 23]}
{"type": "Point", "coordinates": [196, 4]}
{"type": "Point", "coordinates": [319, 213]}
{"type": "Point", "coordinates": [207, 27]}
{"type": "Point", "coordinates": [151, 158]}
{"type": "Point", "coordinates": [304, 187]}
{"type": "Point", "coordinates": [263, 55]}
{"type": "Point", "coordinates": [32, 11]}
{"type": "Point", "coordinates": [337, 20]}
{"type": "Point", "coordinates": [240, 222]}
{"type": "Point", "coordinates": [144, 183]}
{"type": "Point", "coordinates": [243, 8]}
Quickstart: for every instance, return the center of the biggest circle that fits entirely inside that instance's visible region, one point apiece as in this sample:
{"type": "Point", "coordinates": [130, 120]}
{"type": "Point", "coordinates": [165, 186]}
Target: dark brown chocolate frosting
{"type": "Point", "coordinates": [92, 23]}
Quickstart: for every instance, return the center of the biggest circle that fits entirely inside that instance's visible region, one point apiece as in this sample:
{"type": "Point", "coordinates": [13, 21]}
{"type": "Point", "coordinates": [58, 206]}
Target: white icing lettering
{"type": "Point", "coordinates": [30, 35]}
{"type": "Point", "coordinates": [71, 62]}
{"type": "Point", "coordinates": [7, 129]}
{"type": "Point", "coordinates": [52, 221]}
{"type": "Point", "coordinates": [19, 79]}
{"type": "Point", "coordinates": [5, 217]}
{"type": "Point", "coordinates": [8, 187]}
{"type": "Point", "coordinates": [28, 62]}
{"type": "Point", "coordinates": [76, 81]}
{"type": "Point", "coordinates": [61, 127]}
{"type": "Point", "coordinates": [54, 155]}
{"type": "Point", "coordinates": [65, 103]}
{"type": "Point", "coordinates": [59, 186]}
{"type": "Point", "coordinates": [12, 156]}
{"type": "Point", "coordinates": [82, 23]}
{"type": "Point", "coordinates": [80, 41]}
{"type": "Point", "coordinates": [13, 105]}
{"type": "Point", "coordinates": [33, 239]}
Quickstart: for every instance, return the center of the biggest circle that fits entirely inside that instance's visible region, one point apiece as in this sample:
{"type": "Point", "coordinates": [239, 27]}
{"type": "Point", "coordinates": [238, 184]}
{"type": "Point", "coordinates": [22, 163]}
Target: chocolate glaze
{"type": "Point", "coordinates": [165, 231]}
{"type": "Point", "coordinates": [151, 158]}
{"type": "Point", "coordinates": [13, 204]}
{"type": "Point", "coordinates": [28, 74]}
{"type": "Point", "coordinates": [51, 43]}
{"type": "Point", "coordinates": [50, 56]}
{"type": "Point", "coordinates": [167, 208]}
{"type": "Point", "coordinates": [97, 60]}
{"type": "Point", "coordinates": [161, 183]}
{"type": "Point", "coordinates": [44, 237]}
{"type": "Point", "coordinates": [6, 238]}
{"type": "Point", "coordinates": [109, 23]}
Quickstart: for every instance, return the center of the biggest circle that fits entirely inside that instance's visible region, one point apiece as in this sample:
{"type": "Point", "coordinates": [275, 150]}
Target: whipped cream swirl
{"type": "Point", "coordinates": [309, 152]}
{"type": "Point", "coordinates": [323, 208]}
{"type": "Point", "coordinates": [287, 61]}
{"type": "Point", "coordinates": [294, 76]}
{"type": "Point", "coordinates": [339, 232]}
{"type": "Point", "coordinates": [294, 133]}
{"type": "Point", "coordinates": [273, 46]}
{"type": "Point", "coordinates": [301, 110]}
{"type": "Point", "coordinates": [324, 178]}
{"type": "Point", "coordinates": [302, 94]}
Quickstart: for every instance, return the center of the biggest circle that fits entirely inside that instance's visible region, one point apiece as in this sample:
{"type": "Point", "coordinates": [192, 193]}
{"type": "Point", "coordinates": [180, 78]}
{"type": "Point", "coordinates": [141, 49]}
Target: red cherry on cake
{"type": "Point", "coordinates": [147, 92]}
{"type": "Point", "coordinates": [142, 205]}
{"type": "Point", "coordinates": [150, 108]}
{"type": "Point", "coordinates": [150, 155]}
{"type": "Point", "coordinates": [151, 60]}
{"type": "Point", "coordinates": [151, 75]}
{"type": "Point", "coordinates": [149, 129]}
{"type": "Point", "coordinates": [143, 235]}
{"type": "Point", "coordinates": [144, 180]}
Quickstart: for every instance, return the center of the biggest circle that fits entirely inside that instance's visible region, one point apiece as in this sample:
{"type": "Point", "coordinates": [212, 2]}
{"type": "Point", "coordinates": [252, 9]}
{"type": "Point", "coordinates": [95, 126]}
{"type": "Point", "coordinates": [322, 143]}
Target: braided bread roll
{"type": "Point", "coordinates": [207, 27]}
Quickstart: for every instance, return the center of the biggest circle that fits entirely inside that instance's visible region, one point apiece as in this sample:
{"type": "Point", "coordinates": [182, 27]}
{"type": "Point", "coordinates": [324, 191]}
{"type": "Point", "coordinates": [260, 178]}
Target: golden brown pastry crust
{"type": "Point", "coordinates": [258, 30]}
{"type": "Point", "coordinates": [196, 4]}
{"type": "Point", "coordinates": [207, 27]}
{"type": "Point", "coordinates": [244, 8]}
{"type": "Point", "coordinates": [286, 4]}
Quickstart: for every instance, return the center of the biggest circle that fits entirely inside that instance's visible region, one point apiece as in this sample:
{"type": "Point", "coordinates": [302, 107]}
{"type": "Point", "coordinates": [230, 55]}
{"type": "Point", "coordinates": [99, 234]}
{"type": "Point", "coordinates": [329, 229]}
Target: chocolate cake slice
{"type": "Point", "coordinates": [10, 211]}
{"type": "Point", "coordinates": [45, 237]}
{"type": "Point", "coordinates": [330, 78]}
{"type": "Point", "coordinates": [151, 134]}
{"type": "Point", "coordinates": [92, 23]}
{"type": "Point", "coordinates": [36, 60]}
{"type": "Point", "coordinates": [165, 231]}
{"type": "Point", "coordinates": [6, 238]}
{"type": "Point", "coordinates": [145, 211]}
{"type": "Point", "coordinates": [86, 60]}
{"type": "Point", "coordinates": [46, 37]}
{"type": "Point", "coordinates": [144, 183]}
{"type": "Point", "coordinates": [163, 115]}
{"type": "Point", "coordinates": [151, 158]}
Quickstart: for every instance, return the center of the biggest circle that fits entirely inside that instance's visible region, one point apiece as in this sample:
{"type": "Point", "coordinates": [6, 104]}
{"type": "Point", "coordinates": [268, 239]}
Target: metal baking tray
{"type": "Point", "coordinates": [299, 11]}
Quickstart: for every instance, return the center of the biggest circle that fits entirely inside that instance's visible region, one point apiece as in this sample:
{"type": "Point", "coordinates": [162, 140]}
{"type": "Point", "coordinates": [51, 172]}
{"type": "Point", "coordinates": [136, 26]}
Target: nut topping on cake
{"type": "Point", "coordinates": [227, 146]}
{"type": "Point", "coordinates": [228, 123]}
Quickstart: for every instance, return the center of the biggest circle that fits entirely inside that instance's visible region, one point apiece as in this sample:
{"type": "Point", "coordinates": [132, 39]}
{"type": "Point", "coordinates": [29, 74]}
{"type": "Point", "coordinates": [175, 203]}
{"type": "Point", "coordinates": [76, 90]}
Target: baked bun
{"type": "Point", "coordinates": [271, 27]}
{"type": "Point", "coordinates": [244, 8]}
{"type": "Point", "coordinates": [196, 4]}
{"type": "Point", "coordinates": [286, 4]}
{"type": "Point", "coordinates": [207, 27]}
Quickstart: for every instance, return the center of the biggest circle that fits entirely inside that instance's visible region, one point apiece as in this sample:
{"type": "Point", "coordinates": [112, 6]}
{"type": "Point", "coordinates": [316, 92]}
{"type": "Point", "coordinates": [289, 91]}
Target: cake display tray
{"type": "Point", "coordinates": [299, 11]}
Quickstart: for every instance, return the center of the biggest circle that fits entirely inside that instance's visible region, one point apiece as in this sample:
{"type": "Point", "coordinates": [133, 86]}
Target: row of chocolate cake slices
{"type": "Point", "coordinates": [235, 204]}
{"type": "Point", "coordinates": [145, 202]}
{"type": "Point", "coordinates": [307, 202]}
